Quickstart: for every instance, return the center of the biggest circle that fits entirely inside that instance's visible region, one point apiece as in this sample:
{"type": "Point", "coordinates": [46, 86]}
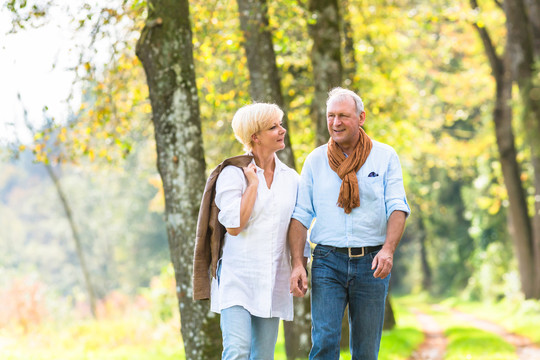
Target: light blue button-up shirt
{"type": "Point", "coordinates": [380, 182]}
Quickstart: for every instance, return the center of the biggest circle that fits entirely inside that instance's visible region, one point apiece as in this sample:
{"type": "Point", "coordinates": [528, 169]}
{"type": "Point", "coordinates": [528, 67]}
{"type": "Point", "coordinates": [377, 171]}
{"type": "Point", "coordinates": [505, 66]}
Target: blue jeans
{"type": "Point", "coordinates": [337, 280]}
{"type": "Point", "coordinates": [246, 336]}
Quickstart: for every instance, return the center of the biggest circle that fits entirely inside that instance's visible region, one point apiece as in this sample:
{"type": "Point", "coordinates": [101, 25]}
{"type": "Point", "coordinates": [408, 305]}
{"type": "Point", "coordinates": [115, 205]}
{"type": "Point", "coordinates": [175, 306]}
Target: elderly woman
{"type": "Point", "coordinates": [251, 290]}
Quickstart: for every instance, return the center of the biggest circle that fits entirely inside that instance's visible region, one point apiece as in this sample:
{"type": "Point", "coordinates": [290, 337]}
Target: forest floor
{"type": "Point", "coordinates": [435, 342]}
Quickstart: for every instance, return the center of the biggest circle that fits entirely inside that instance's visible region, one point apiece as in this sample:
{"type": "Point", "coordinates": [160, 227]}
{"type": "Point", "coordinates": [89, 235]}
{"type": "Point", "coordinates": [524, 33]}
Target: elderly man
{"type": "Point", "coordinates": [353, 188]}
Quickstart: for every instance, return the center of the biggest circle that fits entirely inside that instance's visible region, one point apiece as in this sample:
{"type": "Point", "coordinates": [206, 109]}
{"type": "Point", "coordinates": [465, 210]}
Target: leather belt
{"type": "Point", "coordinates": [355, 251]}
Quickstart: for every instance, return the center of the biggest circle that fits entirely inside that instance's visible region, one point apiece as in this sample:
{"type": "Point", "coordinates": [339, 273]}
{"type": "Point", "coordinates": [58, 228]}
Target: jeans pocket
{"type": "Point", "coordinates": [320, 252]}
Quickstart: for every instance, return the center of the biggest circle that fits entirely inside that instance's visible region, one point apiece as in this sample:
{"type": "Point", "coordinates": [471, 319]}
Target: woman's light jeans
{"type": "Point", "coordinates": [247, 337]}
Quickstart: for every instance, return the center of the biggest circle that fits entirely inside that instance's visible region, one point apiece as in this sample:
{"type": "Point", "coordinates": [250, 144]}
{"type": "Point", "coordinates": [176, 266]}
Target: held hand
{"type": "Point", "coordinates": [298, 281]}
{"type": "Point", "coordinates": [382, 263]}
{"type": "Point", "coordinates": [251, 174]}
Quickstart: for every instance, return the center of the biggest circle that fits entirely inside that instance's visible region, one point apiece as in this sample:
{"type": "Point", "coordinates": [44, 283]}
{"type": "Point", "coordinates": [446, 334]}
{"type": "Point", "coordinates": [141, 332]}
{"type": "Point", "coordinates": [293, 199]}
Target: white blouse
{"type": "Point", "coordinates": [255, 264]}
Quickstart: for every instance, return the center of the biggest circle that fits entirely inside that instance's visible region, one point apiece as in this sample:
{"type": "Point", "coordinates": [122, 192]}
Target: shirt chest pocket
{"type": "Point", "coordinates": [371, 189]}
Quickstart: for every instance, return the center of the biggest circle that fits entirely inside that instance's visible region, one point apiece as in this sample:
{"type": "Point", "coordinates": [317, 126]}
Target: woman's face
{"type": "Point", "coordinates": [273, 138]}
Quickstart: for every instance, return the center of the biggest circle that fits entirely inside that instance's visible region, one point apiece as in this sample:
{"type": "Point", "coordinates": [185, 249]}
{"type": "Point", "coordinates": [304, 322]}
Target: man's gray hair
{"type": "Point", "coordinates": [341, 93]}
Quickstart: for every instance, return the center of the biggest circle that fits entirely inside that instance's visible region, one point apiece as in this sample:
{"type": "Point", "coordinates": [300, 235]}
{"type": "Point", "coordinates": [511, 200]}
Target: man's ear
{"type": "Point", "coordinates": [362, 118]}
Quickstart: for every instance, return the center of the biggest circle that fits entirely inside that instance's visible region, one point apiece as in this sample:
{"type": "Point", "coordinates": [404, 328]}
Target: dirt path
{"type": "Point", "coordinates": [525, 348]}
{"type": "Point", "coordinates": [434, 344]}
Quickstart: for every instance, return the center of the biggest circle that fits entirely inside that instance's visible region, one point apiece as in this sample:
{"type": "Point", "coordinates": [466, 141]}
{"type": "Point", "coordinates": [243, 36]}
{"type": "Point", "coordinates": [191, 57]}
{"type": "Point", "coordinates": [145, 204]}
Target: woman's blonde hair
{"type": "Point", "coordinates": [250, 119]}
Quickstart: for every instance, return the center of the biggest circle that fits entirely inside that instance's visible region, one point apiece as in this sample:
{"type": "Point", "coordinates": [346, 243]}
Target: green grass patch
{"type": "Point", "coordinates": [518, 316]}
{"type": "Point", "coordinates": [472, 343]}
{"type": "Point", "coordinates": [399, 343]}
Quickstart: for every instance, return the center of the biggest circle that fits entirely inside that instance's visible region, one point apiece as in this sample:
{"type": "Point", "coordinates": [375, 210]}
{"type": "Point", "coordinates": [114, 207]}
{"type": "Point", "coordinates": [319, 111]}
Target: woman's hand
{"type": "Point", "coordinates": [251, 174]}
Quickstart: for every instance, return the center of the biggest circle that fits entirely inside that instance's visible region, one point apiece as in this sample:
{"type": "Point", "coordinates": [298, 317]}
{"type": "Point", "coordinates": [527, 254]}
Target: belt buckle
{"type": "Point", "coordinates": [355, 256]}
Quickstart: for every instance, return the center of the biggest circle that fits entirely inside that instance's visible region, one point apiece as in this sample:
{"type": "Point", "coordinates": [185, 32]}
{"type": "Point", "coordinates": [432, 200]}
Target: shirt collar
{"type": "Point", "coordinates": [279, 164]}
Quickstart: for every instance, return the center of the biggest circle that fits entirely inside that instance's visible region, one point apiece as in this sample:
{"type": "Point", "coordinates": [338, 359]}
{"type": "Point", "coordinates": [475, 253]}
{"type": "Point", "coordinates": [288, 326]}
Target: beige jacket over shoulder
{"type": "Point", "coordinates": [210, 232]}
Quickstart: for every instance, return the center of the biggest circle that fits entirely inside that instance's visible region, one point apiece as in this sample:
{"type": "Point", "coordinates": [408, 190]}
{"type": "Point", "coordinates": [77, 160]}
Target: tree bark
{"type": "Point", "coordinates": [265, 85]}
{"type": "Point", "coordinates": [165, 50]}
{"type": "Point", "coordinates": [522, 47]}
{"type": "Point", "coordinates": [325, 59]}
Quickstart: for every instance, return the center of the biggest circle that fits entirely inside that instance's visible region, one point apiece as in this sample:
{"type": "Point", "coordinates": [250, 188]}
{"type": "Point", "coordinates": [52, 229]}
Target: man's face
{"type": "Point", "coordinates": [343, 123]}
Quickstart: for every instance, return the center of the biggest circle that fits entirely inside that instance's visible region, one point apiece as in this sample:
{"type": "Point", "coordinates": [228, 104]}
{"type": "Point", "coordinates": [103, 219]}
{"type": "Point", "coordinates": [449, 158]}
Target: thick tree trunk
{"type": "Point", "coordinates": [265, 85]}
{"type": "Point", "coordinates": [325, 58]}
{"type": "Point", "coordinates": [165, 49]}
{"type": "Point", "coordinates": [76, 239]}
{"type": "Point", "coordinates": [521, 49]}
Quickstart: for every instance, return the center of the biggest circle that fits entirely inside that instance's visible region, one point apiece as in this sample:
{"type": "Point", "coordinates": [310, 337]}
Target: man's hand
{"type": "Point", "coordinates": [382, 263]}
{"type": "Point", "coordinates": [298, 281]}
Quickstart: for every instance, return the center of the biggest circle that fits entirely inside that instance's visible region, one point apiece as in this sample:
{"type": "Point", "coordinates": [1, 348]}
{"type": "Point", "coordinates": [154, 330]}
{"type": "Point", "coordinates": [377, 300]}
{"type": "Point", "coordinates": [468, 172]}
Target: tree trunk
{"type": "Point", "coordinates": [533, 12]}
{"type": "Point", "coordinates": [165, 49]}
{"type": "Point", "coordinates": [325, 58]}
{"type": "Point", "coordinates": [265, 85]}
{"type": "Point", "coordinates": [521, 50]}
{"type": "Point", "coordinates": [427, 278]}
{"type": "Point", "coordinates": [389, 318]}
{"type": "Point", "coordinates": [297, 339]}
{"type": "Point", "coordinates": [349, 54]}
{"type": "Point", "coordinates": [76, 239]}
{"type": "Point", "coordinates": [520, 223]}
{"type": "Point", "coordinates": [324, 30]}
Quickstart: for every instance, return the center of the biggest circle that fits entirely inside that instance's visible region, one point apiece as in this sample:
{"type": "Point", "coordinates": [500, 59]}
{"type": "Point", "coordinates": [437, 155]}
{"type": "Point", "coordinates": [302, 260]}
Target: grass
{"type": "Point", "coordinates": [519, 316]}
{"type": "Point", "coordinates": [136, 336]}
{"type": "Point", "coordinates": [465, 342]}
{"type": "Point", "coordinates": [471, 343]}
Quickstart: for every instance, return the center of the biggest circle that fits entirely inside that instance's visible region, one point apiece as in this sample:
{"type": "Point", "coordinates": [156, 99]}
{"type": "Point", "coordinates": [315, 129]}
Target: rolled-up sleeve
{"type": "Point", "coordinates": [229, 190]}
{"type": "Point", "coordinates": [394, 192]}
{"type": "Point", "coordinates": [304, 210]}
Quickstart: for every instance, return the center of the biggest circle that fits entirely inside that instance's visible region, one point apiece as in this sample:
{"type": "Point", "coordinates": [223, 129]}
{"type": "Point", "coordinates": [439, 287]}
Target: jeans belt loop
{"type": "Point", "coordinates": [360, 255]}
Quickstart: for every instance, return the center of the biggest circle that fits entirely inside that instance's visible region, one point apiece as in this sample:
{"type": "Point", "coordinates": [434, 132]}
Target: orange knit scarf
{"type": "Point", "coordinates": [347, 167]}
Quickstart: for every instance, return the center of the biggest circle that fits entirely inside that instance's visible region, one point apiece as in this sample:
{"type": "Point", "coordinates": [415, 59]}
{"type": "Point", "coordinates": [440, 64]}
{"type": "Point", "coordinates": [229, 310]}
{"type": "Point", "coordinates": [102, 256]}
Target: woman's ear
{"type": "Point", "coordinates": [254, 138]}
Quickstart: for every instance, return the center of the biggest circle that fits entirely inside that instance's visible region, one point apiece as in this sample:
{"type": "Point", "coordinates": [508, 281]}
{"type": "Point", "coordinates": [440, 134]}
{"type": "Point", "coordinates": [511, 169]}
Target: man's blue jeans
{"type": "Point", "coordinates": [337, 280]}
{"type": "Point", "coordinates": [246, 336]}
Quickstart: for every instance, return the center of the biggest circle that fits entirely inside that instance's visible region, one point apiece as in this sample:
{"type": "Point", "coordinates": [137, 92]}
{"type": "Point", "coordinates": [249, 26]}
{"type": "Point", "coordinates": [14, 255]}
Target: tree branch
{"type": "Point", "coordinates": [495, 61]}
